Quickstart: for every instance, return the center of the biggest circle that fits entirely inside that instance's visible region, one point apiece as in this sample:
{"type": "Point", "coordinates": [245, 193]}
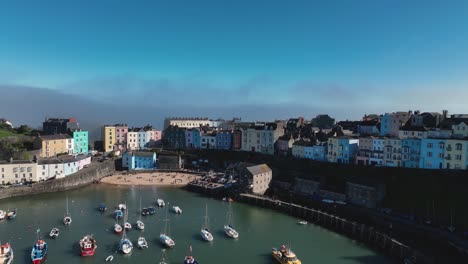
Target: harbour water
{"type": "Point", "coordinates": [259, 229]}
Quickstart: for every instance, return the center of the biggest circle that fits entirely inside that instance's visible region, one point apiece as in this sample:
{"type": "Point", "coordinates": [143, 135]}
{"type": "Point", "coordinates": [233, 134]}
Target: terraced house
{"type": "Point", "coordinates": [456, 154]}
{"type": "Point", "coordinates": [17, 171]}
{"type": "Point", "coordinates": [80, 142]}
{"type": "Point", "coordinates": [432, 153]}
{"type": "Point", "coordinates": [53, 145]}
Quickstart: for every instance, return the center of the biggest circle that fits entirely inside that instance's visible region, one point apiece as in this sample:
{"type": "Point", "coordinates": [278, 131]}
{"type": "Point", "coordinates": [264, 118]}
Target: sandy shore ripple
{"type": "Point", "coordinates": [152, 178]}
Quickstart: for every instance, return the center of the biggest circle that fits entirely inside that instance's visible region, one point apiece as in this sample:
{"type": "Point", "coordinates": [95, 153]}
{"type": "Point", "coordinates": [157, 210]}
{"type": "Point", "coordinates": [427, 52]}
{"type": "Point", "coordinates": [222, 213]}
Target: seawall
{"type": "Point", "coordinates": [82, 178]}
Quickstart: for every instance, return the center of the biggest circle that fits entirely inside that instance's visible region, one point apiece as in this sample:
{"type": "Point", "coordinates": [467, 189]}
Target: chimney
{"type": "Point", "coordinates": [417, 112]}
{"type": "Point", "coordinates": [445, 113]}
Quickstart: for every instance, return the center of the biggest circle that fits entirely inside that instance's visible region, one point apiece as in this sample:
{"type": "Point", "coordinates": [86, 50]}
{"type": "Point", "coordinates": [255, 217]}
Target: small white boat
{"type": "Point", "coordinates": [142, 244]}
{"type": "Point", "coordinates": [117, 228]}
{"type": "Point", "coordinates": [110, 258]}
{"type": "Point", "coordinates": [6, 253]}
{"type": "Point", "coordinates": [54, 232]}
{"type": "Point", "coordinates": [160, 203]}
{"type": "Point", "coordinates": [2, 215]}
{"type": "Point", "coordinates": [140, 225]}
{"type": "Point", "coordinates": [205, 232]}
{"type": "Point", "coordinates": [228, 228]}
{"type": "Point", "coordinates": [177, 209]}
{"type": "Point", "coordinates": [164, 238]}
{"type": "Point", "coordinates": [122, 207]}
{"type": "Point", "coordinates": [67, 220]}
{"type": "Point", "coordinates": [302, 222]}
{"type": "Point", "coordinates": [127, 226]}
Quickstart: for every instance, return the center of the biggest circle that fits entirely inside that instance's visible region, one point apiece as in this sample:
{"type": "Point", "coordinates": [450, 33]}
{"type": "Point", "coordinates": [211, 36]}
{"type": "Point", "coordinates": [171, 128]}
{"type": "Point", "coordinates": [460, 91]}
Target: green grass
{"type": "Point", "coordinates": [5, 133]}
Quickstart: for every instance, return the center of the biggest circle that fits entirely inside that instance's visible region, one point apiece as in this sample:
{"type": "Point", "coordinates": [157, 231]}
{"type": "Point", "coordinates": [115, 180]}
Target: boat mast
{"type": "Point", "coordinates": [140, 209]}
{"type": "Point", "coordinates": [206, 216]}
{"type": "Point", "coordinates": [67, 206]}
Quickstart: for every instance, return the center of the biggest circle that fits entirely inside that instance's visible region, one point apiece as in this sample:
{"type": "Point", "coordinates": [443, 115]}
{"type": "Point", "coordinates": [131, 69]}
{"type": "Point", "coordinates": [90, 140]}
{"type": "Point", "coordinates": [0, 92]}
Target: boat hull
{"type": "Point", "coordinates": [206, 235]}
{"type": "Point", "coordinates": [87, 253]}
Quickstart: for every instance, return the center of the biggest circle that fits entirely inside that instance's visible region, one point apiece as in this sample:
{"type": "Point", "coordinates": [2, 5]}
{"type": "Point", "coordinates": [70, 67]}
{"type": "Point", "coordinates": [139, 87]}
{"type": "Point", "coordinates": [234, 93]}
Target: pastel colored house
{"type": "Point", "coordinates": [342, 149]}
{"type": "Point", "coordinates": [432, 153]}
{"type": "Point", "coordinates": [392, 152]}
{"type": "Point", "coordinates": [319, 152]}
{"type": "Point", "coordinates": [223, 140]}
{"type": "Point", "coordinates": [208, 141]}
{"type": "Point", "coordinates": [460, 129]}
{"type": "Point", "coordinates": [132, 140]}
{"type": "Point", "coordinates": [298, 149]}
{"type": "Point", "coordinates": [17, 171]}
{"type": "Point", "coordinates": [50, 168]}
{"type": "Point", "coordinates": [192, 138]}
{"type": "Point", "coordinates": [365, 149]}
{"type": "Point", "coordinates": [392, 122]}
{"type": "Point", "coordinates": [409, 131]}
{"type": "Point", "coordinates": [121, 131]}
{"type": "Point", "coordinates": [377, 154]}
{"type": "Point", "coordinates": [108, 136]}
{"type": "Point", "coordinates": [80, 142]}
{"type": "Point", "coordinates": [142, 139]}
{"type": "Point", "coordinates": [154, 137]}
{"type": "Point", "coordinates": [410, 152]}
{"type": "Point", "coordinates": [139, 160]}
{"type": "Point", "coordinates": [83, 161]}
{"type": "Point", "coordinates": [456, 154]}
{"type": "Point", "coordinates": [70, 165]}
{"type": "Point", "coordinates": [53, 145]}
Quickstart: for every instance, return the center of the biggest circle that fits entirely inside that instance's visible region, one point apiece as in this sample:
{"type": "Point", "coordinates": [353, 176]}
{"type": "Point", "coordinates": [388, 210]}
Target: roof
{"type": "Point", "coordinates": [409, 127]}
{"type": "Point", "coordinates": [258, 169]}
{"type": "Point", "coordinates": [49, 161]}
{"type": "Point", "coordinates": [142, 153]}
{"type": "Point", "coordinates": [55, 137]}
{"type": "Point", "coordinates": [369, 123]}
{"type": "Point", "coordinates": [16, 162]}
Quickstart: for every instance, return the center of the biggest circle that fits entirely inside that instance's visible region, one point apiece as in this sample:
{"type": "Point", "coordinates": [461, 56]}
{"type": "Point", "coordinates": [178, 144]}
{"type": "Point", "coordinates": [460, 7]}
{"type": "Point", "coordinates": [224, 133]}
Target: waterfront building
{"type": "Point", "coordinates": [53, 145]}
{"type": "Point", "coordinates": [342, 150]}
{"type": "Point", "coordinates": [51, 168]}
{"type": "Point", "coordinates": [392, 122]}
{"type": "Point", "coordinates": [410, 131]}
{"type": "Point", "coordinates": [284, 145]}
{"type": "Point", "coordinates": [410, 152]}
{"type": "Point", "coordinates": [223, 140]}
{"type": "Point", "coordinates": [121, 131]}
{"type": "Point", "coordinates": [174, 137]}
{"type": "Point", "coordinates": [83, 160]}
{"type": "Point", "coordinates": [108, 135]}
{"type": "Point", "coordinates": [52, 126]}
{"type": "Point", "coordinates": [208, 141]}
{"type": "Point", "coordinates": [299, 147]}
{"type": "Point", "coordinates": [142, 138]}
{"type": "Point", "coordinates": [392, 152]}
{"type": "Point", "coordinates": [80, 142]}
{"type": "Point", "coordinates": [432, 153]}
{"type": "Point", "coordinates": [193, 138]}
{"type": "Point", "coordinates": [260, 177]}
{"type": "Point", "coordinates": [132, 139]}
{"type": "Point", "coordinates": [154, 137]}
{"type": "Point", "coordinates": [369, 127]}
{"type": "Point", "coordinates": [237, 140]}
{"type": "Point", "coordinates": [17, 171]}
{"type": "Point", "coordinates": [460, 129]}
{"type": "Point", "coordinates": [456, 154]}
{"type": "Point", "coordinates": [364, 152]}
{"type": "Point", "coordinates": [377, 154]}
{"type": "Point", "coordinates": [364, 193]}
{"type": "Point", "coordinates": [187, 122]}
{"type": "Point", "coordinates": [70, 165]}
{"type": "Point", "coordinates": [139, 160]}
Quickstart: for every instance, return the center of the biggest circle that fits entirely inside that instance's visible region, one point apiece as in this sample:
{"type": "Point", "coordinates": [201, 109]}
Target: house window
{"type": "Point", "coordinates": [429, 145]}
{"type": "Point", "coordinates": [459, 146]}
{"type": "Point", "coordinates": [429, 154]}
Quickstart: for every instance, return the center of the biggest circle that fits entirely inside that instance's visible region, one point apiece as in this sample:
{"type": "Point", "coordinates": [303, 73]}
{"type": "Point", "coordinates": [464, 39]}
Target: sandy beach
{"type": "Point", "coordinates": [177, 179]}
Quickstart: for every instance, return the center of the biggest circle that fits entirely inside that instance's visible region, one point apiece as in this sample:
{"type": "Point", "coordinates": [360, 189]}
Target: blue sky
{"type": "Point", "coordinates": [365, 55]}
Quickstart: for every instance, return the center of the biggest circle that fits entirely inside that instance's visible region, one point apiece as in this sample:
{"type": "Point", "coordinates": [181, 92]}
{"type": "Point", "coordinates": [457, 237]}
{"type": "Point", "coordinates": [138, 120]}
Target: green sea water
{"type": "Point", "coordinates": [260, 229]}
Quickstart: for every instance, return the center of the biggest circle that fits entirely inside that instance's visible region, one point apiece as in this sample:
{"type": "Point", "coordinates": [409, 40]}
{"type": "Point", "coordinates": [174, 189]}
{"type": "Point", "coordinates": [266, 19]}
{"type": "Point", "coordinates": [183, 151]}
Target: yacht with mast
{"type": "Point", "coordinates": [164, 236]}
{"type": "Point", "coordinates": [205, 231]}
{"type": "Point", "coordinates": [228, 228]}
{"type": "Point", "coordinates": [189, 259]}
{"type": "Point", "coordinates": [140, 225]}
{"type": "Point", "coordinates": [125, 244]}
{"type": "Point", "coordinates": [67, 220]}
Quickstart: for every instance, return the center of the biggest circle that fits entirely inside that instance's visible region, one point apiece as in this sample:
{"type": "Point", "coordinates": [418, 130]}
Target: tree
{"type": "Point", "coordinates": [23, 129]}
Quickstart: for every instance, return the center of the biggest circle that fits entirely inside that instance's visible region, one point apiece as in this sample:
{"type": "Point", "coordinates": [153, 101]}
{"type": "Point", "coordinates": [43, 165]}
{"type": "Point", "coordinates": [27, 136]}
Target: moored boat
{"type": "Point", "coordinates": [140, 225]}
{"type": "Point", "coordinates": [2, 215]}
{"type": "Point", "coordinates": [122, 207]}
{"type": "Point", "coordinates": [102, 208]}
{"type": "Point", "coordinates": [145, 212]}
{"type": "Point", "coordinates": [6, 254]}
{"type": "Point", "coordinates": [176, 209]}
{"type": "Point", "coordinates": [190, 259]}
{"type": "Point", "coordinates": [118, 214]}
{"type": "Point", "coordinates": [127, 226]}
{"type": "Point", "coordinates": [285, 255]}
{"type": "Point", "coordinates": [302, 223]}
{"type": "Point", "coordinates": [142, 244]}
{"type": "Point", "coordinates": [205, 231]}
{"type": "Point", "coordinates": [160, 202]}
{"type": "Point", "coordinates": [39, 250]}
{"type": "Point", "coordinates": [125, 245]}
{"type": "Point", "coordinates": [54, 233]}
{"type": "Point", "coordinates": [164, 237]}
{"type": "Point", "coordinates": [151, 210]}
{"type": "Point", "coordinates": [12, 214]}
{"type": "Point", "coordinates": [117, 228]}
{"type": "Point", "coordinates": [67, 220]}
{"type": "Point", "coordinates": [88, 246]}
{"type": "Point", "coordinates": [228, 228]}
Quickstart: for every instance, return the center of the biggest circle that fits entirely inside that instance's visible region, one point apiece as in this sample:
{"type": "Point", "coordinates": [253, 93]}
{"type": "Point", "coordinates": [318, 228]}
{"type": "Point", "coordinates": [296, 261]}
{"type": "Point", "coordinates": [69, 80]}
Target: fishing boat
{"type": "Point", "coordinates": [140, 225]}
{"type": "Point", "coordinates": [285, 255]}
{"type": "Point", "coordinates": [67, 220]}
{"type": "Point", "coordinates": [142, 244]}
{"type": "Point", "coordinates": [6, 254]}
{"type": "Point", "coordinates": [88, 246]}
{"type": "Point", "coordinates": [39, 250]}
{"type": "Point", "coordinates": [164, 237]}
{"type": "Point", "coordinates": [163, 257]}
{"type": "Point", "coordinates": [12, 214]}
{"type": "Point", "coordinates": [205, 231]}
{"type": "Point", "coordinates": [122, 207]}
{"type": "Point", "coordinates": [160, 202]}
{"type": "Point", "coordinates": [125, 245]}
{"type": "Point", "coordinates": [2, 215]}
{"type": "Point", "coordinates": [228, 228]}
{"type": "Point", "coordinates": [118, 214]}
{"type": "Point", "coordinates": [151, 210]}
{"type": "Point", "coordinates": [176, 209]}
{"type": "Point", "coordinates": [54, 233]}
{"type": "Point", "coordinates": [102, 208]}
{"type": "Point", "coordinates": [189, 259]}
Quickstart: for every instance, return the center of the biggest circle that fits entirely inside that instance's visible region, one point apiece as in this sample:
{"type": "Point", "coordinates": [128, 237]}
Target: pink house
{"type": "Point", "coordinates": [154, 137]}
{"type": "Point", "coordinates": [83, 161]}
{"type": "Point", "coordinates": [121, 136]}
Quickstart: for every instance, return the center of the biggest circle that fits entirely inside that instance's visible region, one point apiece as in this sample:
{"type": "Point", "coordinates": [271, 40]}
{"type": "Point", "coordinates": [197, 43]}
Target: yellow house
{"type": "Point", "coordinates": [455, 154]}
{"type": "Point", "coordinates": [17, 171]}
{"type": "Point", "coordinates": [52, 145]}
{"type": "Point", "coordinates": [108, 138]}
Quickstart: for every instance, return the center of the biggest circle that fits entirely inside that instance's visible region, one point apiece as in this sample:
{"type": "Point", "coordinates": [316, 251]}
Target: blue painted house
{"type": "Point", "coordinates": [385, 124]}
{"type": "Point", "coordinates": [224, 140]}
{"type": "Point", "coordinates": [432, 153]}
{"type": "Point", "coordinates": [410, 152]}
{"type": "Point", "coordinates": [142, 139]}
{"type": "Point", "coordinates": [139, 160]}
{"type": "Point", "coordinates": [192, 138]}
{"type": "Point", "coordinates": [80, 142]}
{"type": "Point", "coordinates": [342, 150]}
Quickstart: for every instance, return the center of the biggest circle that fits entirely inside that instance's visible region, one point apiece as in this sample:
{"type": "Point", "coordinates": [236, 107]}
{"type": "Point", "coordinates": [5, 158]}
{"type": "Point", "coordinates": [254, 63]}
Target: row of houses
{"type": "Point", "coordinates": [76, 143]}
{"type": "Point", "coordinates": [120, 137]}
{"type": "Point", "coordinates": [25, 171]}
